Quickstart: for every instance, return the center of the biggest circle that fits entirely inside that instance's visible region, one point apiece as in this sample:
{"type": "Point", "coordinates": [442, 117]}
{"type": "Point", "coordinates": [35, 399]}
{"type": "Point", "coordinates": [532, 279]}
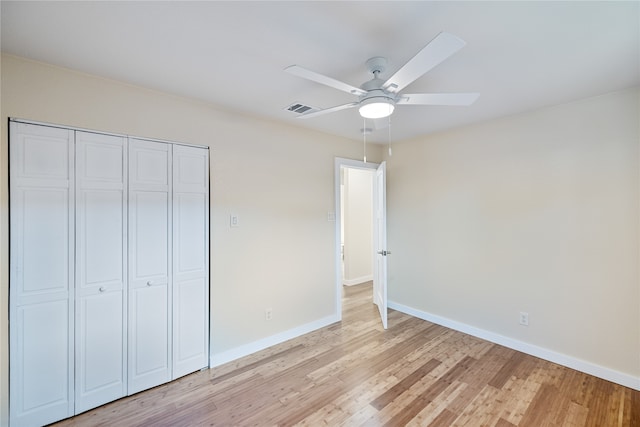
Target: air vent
{"type": "Point", "coordinates": [300, 108]}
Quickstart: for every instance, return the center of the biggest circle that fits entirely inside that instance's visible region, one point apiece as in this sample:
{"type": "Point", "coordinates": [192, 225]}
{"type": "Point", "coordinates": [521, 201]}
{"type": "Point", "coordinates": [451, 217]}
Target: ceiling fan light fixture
{"type": "Point", "coordinates": [376, 107]}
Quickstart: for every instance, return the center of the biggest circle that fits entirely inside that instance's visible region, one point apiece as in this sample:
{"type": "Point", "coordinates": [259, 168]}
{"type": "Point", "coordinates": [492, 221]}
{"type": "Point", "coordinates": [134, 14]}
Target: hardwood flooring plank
{"type": "Point", "coordinates": [395, 391]}
{"type": "Point", "coordinates": [437, 406]}
{"type": "Point", "coordinates": [417, 405]}
{"type": "Point", "coordinates": [282, 354]}
{"type": "Point", "coordinates": [607, 399]}
{"type": "Point", "coordinates": [543, 407]}
{"type": "Point", "coordinates": [483, 410]}
{"type": "Point", "coordinates": [576, 416]}
{"type": "Point", "coordinates": [363, 371]}
{"type": "Point", "coordinates": [519, 393]}
{"type": "Point", "coordinates": [504, 423]}
{"type": "Point", "coordinates": [444, 419]}
{"type": "Point", "coordinates": [414, 407]}
{"type": "Point", "coordinates": [633, 408]}
{"type": "Point", "coordinates": [507, 370]}
{"type": "Point", "coordinates": [297, 409]}
{"type": "Point", "coordinates": [458, 370]}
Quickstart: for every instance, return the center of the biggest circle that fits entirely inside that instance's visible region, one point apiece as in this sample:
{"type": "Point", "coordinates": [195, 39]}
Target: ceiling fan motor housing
{"type": "Point", "coordinates": [377, 102]}
{"type": "Point", "coordinates": [374, 90]}
{"type": "Point", "coordinates": [374, 87]}
{"type": "Point", "coordinates": [379, 95]}
{"type": "Point", "coordinates": [376, 65]}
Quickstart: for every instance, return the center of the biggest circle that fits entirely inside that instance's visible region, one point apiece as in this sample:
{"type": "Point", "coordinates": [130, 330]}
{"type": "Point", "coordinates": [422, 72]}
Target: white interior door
{"type": "Point", "coordinates": [41, 274]}
{"type": "Point", "coordinates": [380, 242]}
{"type": "Point", "coordinates": [100, 269]}
{"type": "Point", "coordinates": [190, 259]}
{"type": "Point", "coordinates": [149, 342]}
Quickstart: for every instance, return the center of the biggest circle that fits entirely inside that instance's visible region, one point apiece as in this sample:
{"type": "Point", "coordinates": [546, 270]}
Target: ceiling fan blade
{"type": "Point", "coordinates": [438, 99]}
{"type": "Point", "coordinates": [328, 110]}
{"type": "Point", "coordinates": [299, 71]}
{"type": "Point", "coordinates": [440, 48]}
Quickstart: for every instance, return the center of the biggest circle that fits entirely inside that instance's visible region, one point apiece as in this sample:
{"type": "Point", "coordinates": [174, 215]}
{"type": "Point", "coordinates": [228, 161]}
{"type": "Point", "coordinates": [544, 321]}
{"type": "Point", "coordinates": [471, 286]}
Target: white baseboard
{"type": "Point", "coordinates": [217, 359]}
{"type": "Point", "coordinates": [357, 280]}
{"type": "Point", "coordinates": [533, 350]}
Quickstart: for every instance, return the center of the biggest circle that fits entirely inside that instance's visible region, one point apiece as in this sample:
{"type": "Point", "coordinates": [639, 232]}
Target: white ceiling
{"type": "Point", "coordinates": [519, 55]}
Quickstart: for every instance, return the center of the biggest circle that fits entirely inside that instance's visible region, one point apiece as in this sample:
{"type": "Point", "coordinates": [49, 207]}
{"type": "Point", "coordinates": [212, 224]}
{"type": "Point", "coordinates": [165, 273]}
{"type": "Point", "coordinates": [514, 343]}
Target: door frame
{"type": "Point", "coordinates": [338, 164]}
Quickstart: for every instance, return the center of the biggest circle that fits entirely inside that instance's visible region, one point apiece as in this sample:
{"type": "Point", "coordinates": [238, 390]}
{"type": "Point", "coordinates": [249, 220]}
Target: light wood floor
{"type": "Point", "coordinates": [356, 374]}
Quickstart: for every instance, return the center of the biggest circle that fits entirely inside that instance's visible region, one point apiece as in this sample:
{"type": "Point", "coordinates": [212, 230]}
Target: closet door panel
{"type": "Point", "coordinates": [43, 346]}
{"type": "Point", "coordinates": [43, 245]}
{"type": "Point", "coordinates": [150, 283]}
{"type": "Point", "coordinates": [100, 269]}
{"type": "Point", "coordinates": [191, 170]}
{"type": "Point", "coordinates": [41, 274]}
{"type": "Point", "coordinates": [190, 258]}
{"type": "Point", "coordinates": [41, 153]}
{"type": "Point", "coordinates": [100, 370]}
{"type": "Point", "coordinates": [101, 217]}
{"type": "Point", "coordinates": [149, 328]}
{"type": "Point", "coordinates": [149, 164]}
{"type": "Point", "coordinates": [151, 238]}
{"type": "Point", "coordinates": [190, 229]}
{"type": "Point", "coordinates": [190, 327]}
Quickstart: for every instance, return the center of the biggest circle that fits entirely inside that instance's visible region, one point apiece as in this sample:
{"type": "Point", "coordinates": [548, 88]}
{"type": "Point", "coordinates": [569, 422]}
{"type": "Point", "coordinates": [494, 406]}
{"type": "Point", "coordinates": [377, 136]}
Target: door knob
{"type": "Point", "coordinates": [150, 282]}
{"type": "Point", "coordinates": [384, 253]}
{"type": "Point", "coordinates": [102, 289]}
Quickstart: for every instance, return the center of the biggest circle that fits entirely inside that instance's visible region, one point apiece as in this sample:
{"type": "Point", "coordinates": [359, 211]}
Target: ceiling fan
{"type": "Point", "coordinates": [377, 98]}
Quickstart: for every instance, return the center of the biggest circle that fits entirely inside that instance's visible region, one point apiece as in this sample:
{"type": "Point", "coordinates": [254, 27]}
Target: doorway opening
{"type": "Point", "coordinates": [360, 223]}
{"type": "Point", "coordinates": [356, 224]}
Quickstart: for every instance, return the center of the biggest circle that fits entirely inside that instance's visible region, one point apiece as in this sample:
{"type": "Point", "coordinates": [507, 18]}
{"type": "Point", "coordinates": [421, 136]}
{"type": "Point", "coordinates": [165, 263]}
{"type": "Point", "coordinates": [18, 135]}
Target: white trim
{"type": "Point", "coordinates": [227, 356]}
{"type": "Point", "coordinates": [533, 350]}
{"type": "Point", "coordinates": [357, 280]}
{"type": "Point", "coordinates": [338, 163]}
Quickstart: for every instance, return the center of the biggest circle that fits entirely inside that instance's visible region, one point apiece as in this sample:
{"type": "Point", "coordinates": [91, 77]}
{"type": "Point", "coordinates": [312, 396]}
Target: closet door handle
{"type": "Point", "coordinates": [102, 289]}
{"type": "Point", "coordinates": [150, 282]}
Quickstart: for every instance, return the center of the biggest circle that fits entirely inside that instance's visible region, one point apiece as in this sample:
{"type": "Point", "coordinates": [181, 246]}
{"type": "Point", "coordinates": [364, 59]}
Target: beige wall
{"type": "Point", "coordinates": [277, 179]}
{"type": "Point", "coordinates": [536, 212]}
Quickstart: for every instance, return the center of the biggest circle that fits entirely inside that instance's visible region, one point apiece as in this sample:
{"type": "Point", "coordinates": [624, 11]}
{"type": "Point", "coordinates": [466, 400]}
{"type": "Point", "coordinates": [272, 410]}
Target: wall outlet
{"type": "Point", "coordinates": [234, 221]}
{"type": "Point", "coordinates": [524, 318]}
{"type": "Point", "coordinates": [268, 314]}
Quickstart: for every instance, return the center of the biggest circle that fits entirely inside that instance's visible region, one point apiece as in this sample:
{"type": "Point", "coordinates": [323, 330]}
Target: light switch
{"type": "Point", "coordinates": [331, 216]}
{"type": "Point", "coordinates": [233, 221]}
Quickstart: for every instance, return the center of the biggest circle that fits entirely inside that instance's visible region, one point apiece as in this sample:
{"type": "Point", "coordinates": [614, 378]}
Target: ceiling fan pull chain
{"type": "Point", "coordinates": [364, 138]}
{"type": "Point", "coordinates": [389, 127]}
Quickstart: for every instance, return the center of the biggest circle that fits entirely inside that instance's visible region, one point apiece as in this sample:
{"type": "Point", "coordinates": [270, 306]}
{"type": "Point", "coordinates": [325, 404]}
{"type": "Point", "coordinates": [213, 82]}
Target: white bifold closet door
{"type": "Point", "coordinates": [190, 259]}
{"type": "Point", "coordinates": [101, 248]}
{"type": "Point", "coordinates": [168, 262]}
{"type": "Point", "coordinates": [41, 274]}
{"type": "Point", "coordinates": [149, 264]}
{"type": "Point", "coordinates": [109, 268]}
